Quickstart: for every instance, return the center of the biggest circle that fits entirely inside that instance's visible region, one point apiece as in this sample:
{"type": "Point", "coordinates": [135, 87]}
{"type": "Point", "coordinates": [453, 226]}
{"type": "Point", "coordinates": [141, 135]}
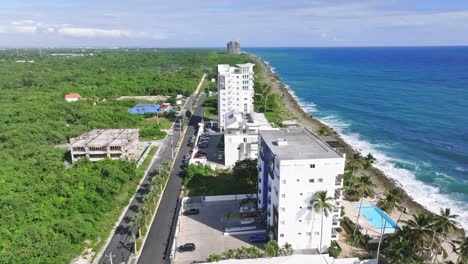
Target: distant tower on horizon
{"type": "Point", "coordinates": [233, 47]}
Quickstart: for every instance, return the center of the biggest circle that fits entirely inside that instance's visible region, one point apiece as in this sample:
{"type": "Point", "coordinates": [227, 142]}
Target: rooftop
{"type": "Point", "coordinates": [297, 144]}
{"type": "Point", "coordinates": [104, 137]}
{"type": "Point", "coordinates": [72, 95]}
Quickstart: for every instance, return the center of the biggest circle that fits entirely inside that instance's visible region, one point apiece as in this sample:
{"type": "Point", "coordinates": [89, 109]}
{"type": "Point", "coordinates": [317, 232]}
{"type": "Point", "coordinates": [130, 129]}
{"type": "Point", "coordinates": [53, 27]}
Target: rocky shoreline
{"type": "Point", "coordinates": [379, 178]}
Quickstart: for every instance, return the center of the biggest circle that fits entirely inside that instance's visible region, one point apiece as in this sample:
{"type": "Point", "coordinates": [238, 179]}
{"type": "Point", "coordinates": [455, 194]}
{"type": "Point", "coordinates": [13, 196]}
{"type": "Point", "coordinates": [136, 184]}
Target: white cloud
{"type": "Point", "coordinates": [31, 26]}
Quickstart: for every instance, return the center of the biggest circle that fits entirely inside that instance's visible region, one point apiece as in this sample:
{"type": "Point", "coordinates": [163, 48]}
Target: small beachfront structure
{"type": "Point", "coordinates": [141, 109]}
{"type": "Point", "coordinates": [72, 97]}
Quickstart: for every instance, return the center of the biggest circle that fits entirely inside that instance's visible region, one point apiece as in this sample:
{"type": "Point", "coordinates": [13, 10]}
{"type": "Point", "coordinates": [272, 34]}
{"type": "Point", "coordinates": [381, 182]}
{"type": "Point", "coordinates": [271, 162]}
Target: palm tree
{"type": "Point", "coordinates": [323, 131]}
{"type": "Point", "coordinates": [324, 205]}
{"type": "Point", "coordinates": [138, 221]}
{"type": "Point", "coordinates": [399, 249]}
{"type": "Point", "coordinates": [420, 231]}
{"type": "Point", "coordinates": [354, 164]}
{"type": "Point", "coordinates": [254, 252]}
{"type": "Point", "coordinates": [286, 250]}
{"type": "Point", "coordinates": [228, 216]}
{"type": "Point", "coordinates": [214, 257]}
{"type": "Point", "coordinates": [365, 185]}
{"type": "Point", "coordinates": [265, 91]}
{"type": "Point", "coordinates": [391, 201]}
{"type": "Point", "coordinates": [462, 250]}
{"type": "Point", "coordinates": [368, 161]}
{"type": "Point", "coordinates": [271, 249]}
{"type": "Point", "coordinates": [444, 223]}
{"type": "Point", "coordinates": [229, 254]}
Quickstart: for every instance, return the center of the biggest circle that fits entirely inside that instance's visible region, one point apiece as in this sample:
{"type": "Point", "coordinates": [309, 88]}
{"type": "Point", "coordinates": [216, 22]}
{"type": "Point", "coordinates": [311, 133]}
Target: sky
{"type": "Point", "coordinates": [211, 23]}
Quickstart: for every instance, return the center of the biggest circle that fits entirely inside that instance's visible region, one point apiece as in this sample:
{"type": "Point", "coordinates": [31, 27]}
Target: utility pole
{"type": "Point", "coordinates": [110, 257]}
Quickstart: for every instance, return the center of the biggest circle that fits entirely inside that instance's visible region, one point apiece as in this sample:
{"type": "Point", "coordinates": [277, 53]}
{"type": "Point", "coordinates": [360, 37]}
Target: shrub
{"type": "Point", "coordinates": [334, 251]}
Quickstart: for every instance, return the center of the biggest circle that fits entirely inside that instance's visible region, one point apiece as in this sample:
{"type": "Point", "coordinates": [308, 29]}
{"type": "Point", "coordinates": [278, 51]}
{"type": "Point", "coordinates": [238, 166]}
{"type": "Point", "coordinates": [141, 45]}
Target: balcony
{"type": "Point", "coordinates": [269, 188]}
{"type": "Point", "coordinates": [334, 234]}
{"type": "Point", "coordinates": [259, 169]}
{"type": "Point", "coordinates": [269, 199]}
{"type": "Point", "coordinates": [335, 222]}
{"type": "Point", "coordinates": [338, 195]}
{"type": "Point", "coordinates": [339, 180]}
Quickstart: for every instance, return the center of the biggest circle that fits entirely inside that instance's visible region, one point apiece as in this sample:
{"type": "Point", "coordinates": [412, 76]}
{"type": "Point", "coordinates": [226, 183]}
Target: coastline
{"type": "Point", "coordinates": [381, 181]}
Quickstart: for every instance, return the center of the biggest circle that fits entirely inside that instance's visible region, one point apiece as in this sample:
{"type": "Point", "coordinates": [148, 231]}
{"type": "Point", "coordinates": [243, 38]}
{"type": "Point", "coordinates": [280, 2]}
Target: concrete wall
{"type": "Point", "coordinates": [233, 197]}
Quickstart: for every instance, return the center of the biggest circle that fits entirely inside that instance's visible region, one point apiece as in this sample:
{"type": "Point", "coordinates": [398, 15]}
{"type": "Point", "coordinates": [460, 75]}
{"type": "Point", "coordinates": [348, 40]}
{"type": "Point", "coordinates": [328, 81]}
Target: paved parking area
{"type": "Point", "coordinates": [206, 231]}
{"type": "Point", "coordinates": [212, 150]}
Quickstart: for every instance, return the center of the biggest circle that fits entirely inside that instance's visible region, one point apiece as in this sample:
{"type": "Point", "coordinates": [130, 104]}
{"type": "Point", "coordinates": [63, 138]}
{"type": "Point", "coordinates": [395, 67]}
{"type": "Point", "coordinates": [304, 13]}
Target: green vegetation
{"type": "Point", "coordinates": [271, 250]}
{"type": "Point", "coordinates": [211, 107]}
{"type": "Point", "coordinates": [421, 239]}
{"type": "Point", "coordinates": [48, 211]}
{"type": "Point", "coordinates": [202, 180]}
{"type": "Point", "coordinates": [322, 204]}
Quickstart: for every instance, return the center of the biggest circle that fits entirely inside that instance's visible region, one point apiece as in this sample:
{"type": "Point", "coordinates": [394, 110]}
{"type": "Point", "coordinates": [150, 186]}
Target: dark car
{"type": "Point", "coordinates": [187, 247]}
{"type": "Point", "coordinates": [259, 238]}
{"type": "Point", "coordinates": [192, 212]}
{"type": "Point", "coordinates": [203, 145]}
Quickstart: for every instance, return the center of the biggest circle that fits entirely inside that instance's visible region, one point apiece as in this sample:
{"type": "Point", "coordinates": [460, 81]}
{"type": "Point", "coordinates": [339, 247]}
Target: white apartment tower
{"type": "Point", "coordinates": [235, 90]}
{"type": "Point", "coordinates": [293, 165]}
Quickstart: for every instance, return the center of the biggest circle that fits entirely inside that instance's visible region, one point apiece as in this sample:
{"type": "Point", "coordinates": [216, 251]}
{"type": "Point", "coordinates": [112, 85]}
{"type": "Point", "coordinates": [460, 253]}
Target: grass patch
{"type": "Point", "coordinates": [220, 183]}
{"type": "Point", "coordinates": [211, 107]}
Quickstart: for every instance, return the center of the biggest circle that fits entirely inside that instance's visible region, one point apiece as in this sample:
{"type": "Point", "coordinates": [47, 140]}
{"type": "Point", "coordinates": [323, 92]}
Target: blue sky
{"type": "Point", "coordinates": [211, 23]}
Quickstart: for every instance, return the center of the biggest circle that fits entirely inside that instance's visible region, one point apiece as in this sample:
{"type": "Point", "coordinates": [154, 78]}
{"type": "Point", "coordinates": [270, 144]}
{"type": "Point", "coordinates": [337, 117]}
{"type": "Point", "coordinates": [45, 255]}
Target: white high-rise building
{"type": "Point", "coordinates": [293, 165]}
{"type": "Point", "coordinates": [235, 90]}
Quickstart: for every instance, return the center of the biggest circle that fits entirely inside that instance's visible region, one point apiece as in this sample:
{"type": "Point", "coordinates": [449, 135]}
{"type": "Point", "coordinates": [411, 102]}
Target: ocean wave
{"type": "Point", "coordinates": [307, 107]}
{"type": "Point", "coordinates": [428, 196]}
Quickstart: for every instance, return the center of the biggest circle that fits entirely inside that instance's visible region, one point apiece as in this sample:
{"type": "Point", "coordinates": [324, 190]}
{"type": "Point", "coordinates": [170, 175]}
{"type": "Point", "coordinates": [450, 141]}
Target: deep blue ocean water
{"type": "Point", "coordinates": [406, 105]}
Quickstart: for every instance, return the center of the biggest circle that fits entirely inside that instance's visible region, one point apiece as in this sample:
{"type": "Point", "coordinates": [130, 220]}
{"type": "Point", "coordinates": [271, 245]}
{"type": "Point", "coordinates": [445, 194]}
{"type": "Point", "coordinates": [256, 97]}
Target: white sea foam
{"type": "Point", "coordinates": [426, 195]}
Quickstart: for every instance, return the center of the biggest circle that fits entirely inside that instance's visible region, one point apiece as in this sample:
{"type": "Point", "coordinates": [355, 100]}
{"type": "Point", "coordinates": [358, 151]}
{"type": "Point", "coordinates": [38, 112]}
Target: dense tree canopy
{"type": "Point", "coordinates": [48, 210]}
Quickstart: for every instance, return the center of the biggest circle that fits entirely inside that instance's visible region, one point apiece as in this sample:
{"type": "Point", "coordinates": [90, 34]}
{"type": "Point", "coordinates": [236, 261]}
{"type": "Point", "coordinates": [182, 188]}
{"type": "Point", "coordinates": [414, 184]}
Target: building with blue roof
{"type": "Point", "coordinates": [141, 109]}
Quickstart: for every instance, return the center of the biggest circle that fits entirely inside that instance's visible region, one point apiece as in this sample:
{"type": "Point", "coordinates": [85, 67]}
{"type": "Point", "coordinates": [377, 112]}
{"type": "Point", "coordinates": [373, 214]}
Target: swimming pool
{"type": "Point", "coordinates": [378, 218]}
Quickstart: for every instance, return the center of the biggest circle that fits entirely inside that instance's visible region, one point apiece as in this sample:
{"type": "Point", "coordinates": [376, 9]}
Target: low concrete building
{"type": "Point", "coordinates": [241, 136]}
{"type": "Point", "coordinates": [99, 144]}
{"type": "Point", "coordinates": [289, 123]}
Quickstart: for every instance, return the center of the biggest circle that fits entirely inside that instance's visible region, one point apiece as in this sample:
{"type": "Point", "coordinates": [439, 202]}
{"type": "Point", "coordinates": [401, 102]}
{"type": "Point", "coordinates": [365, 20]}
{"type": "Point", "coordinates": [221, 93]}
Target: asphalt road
{"type": "Point", "coordinates": [121, 245]}
{"type": "Point", "coordinates": [159, 240]}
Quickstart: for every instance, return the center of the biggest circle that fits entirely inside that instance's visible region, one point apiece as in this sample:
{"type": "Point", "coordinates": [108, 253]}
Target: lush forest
{"type": "Point", "coordinates": [50, 213]}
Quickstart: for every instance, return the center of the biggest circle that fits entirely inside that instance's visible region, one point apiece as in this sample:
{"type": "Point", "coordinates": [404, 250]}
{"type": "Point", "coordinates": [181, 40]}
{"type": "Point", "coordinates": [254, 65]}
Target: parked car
{"type": "Point", "coordinates": [203, 145]}
{"type": "Point", "coordinates": [187, 247]}
{"type": "Point", "coordinates": [200, 156]}
{"type": "Point", "coordinates": [259, 238]}
{"type": "Point", "coordinates": [202, 152]}
{"type": "Point", "coordinates": [192, 212]}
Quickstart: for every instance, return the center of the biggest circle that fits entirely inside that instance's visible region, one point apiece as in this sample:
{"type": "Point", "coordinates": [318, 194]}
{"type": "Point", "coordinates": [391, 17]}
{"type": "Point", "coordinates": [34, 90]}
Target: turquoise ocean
{"type": "Point", "coordinates": [408, 106]}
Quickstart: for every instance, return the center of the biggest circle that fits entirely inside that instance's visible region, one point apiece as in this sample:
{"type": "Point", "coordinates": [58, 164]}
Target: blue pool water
{"type": "Point", "coordinates": [377, 218]}
{"type": "Point", "coordinates": [408, 106]}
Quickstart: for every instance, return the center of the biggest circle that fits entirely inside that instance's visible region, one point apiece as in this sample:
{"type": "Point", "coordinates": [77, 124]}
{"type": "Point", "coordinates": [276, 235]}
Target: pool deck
{"type": "Point", "coordinates": [351, 210]}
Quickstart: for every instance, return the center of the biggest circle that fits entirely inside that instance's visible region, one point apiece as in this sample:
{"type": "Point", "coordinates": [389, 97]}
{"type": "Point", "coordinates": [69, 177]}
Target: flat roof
{"type": "Point", "coordinates": [104, 137]}
{"type": "Point", "coordinates": [297, 144]}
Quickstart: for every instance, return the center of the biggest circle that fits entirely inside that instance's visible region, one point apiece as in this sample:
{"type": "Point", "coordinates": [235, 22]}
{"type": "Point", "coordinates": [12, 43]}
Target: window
{"type": "Point", "coordinates": [283, 209]}
{"type": "Point", "coordinates": [297, 180]}
{"type": "Point", "coordinates": [283, 195]}
{"type": "Point", "coordinates": [283, 222]}
{"type": "Point", "coordinates": [283, 181]}
{"type": "Point", "coordinates": [320, 180]}
{"type": "Point", "coordinates": [311, 180]}
{"type": "Point", "coordinates": [259, 201]}
{"type": "Point", "coordinates": [300, 194]}
{"type": "Point", "coordinates": [309, 207]}
{"type": "Point", "coordinates": [309, 234]}
{"type": "Point", "coordinates": [312, 166]}
{"type": "Point", "coordinates": [299, 233]}
{"type": "Point", "coordinates": [281, 235]}
{"type": "Point", "coordinates": [300, 220]}
{"type": "Point", "coordinates": [259, 191]}
{"type": "Point", "coordinates": [300, 207]}
{"type": "Point", "coordinates": [316, 233]}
